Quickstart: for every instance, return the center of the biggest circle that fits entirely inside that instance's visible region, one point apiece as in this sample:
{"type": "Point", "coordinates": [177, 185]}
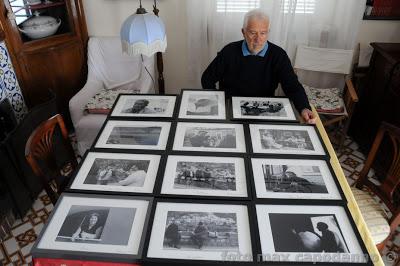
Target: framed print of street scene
{"type": "Point", "coordinates": [194, 231]}
{"type": "Point", "coordinates": [294, 179]}
{"type": "Point", "coordinates": [262, 108]}
{"type": "Point", "coordinates": [118, 172]}
{"type": "Point", "coordinates": [146, 135]}
{"type": "Point", "coordinates": [205, 176]}
{"type": "Point", "coordinates": [213, 137]}
{"type": "Point", "coordinates": [202, 104]}
{"type": "Point", "coordinates": [142, 105]}
{"type": "Point", "coordinates": [285, 139]}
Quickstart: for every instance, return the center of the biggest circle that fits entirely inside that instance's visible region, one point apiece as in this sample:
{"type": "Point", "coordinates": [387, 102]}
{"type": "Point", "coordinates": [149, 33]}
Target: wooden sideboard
{"type": "Point", "coordinates": [57, 62]}
{"type": "Point", "coordinates": [379, 100]}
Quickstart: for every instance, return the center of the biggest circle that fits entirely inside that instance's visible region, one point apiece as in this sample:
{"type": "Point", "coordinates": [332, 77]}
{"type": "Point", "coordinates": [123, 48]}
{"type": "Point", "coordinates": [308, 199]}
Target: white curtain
{"type": "Point", "coordinates": [319, 23]}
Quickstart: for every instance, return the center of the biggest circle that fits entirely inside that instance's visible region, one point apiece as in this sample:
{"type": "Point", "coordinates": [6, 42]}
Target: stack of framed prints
{"type": "Point", "coordinates": [216, 180]}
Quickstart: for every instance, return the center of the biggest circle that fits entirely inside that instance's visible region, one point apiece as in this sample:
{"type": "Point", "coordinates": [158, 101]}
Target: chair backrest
{"type": "Point", "coordinates": [108, 63]}
{"type": "Point", "coordinates": [40, 152]}
{"type": "Point", "coordinates": [323, 60]}
{"type": "Point", "coordinates": [388, 190]}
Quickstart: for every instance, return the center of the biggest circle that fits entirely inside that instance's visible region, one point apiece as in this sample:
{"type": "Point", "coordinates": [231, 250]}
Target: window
{"type": "Point", "coordinates": [299, 6]}
{"type": "Point", "coordinates": [237, 5]}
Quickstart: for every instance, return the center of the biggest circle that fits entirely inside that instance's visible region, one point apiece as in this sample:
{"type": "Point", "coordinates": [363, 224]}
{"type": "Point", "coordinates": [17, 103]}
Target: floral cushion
{"type": "Point", "coordinates": [327, 100]}
{"type": "Point", "coordinates": [104, 100]}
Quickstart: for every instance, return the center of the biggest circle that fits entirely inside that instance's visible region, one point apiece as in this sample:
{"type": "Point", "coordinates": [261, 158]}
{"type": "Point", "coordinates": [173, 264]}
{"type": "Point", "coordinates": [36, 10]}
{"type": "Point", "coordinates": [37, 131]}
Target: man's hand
{"type": "Point", "coordinates": [308, 116]}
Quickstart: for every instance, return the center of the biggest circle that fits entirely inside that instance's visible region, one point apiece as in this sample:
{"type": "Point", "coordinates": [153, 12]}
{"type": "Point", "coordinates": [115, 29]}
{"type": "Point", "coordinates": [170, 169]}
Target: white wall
{"type": "Point", "coordinates": [104, 18]}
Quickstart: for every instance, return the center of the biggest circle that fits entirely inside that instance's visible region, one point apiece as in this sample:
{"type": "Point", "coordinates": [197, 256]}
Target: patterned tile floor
{"type": "Point", "coordinates": [15, 250]}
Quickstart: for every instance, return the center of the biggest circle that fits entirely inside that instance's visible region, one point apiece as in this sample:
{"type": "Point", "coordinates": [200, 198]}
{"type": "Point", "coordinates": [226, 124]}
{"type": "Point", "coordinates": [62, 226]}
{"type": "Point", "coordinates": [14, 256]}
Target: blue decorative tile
{"type": "Point", "coordinates": [9, 87]}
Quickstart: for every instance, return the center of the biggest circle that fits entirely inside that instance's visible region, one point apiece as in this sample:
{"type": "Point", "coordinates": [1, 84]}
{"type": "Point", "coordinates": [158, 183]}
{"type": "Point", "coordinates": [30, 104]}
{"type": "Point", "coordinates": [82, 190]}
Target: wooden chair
{"type": "Point", "coordinates": [379, 224]}
{"type": "Point", "coordinates": [335, 104]}
{"type": "Point", "coordinates": [40, 152]}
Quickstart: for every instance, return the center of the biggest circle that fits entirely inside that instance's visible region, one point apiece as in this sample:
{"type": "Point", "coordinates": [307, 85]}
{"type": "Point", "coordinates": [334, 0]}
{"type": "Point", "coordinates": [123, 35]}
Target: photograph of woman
{"type": "Point", "coordinates": [89, 228]}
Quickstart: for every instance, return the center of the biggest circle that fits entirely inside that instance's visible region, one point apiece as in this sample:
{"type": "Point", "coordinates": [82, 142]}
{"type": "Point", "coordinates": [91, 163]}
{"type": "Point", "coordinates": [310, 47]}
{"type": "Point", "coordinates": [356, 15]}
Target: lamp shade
{"type": "Point", "coordinates": [143, 34]}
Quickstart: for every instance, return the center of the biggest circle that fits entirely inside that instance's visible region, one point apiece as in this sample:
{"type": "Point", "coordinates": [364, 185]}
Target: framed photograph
{"type": "Point", "coordinates": [382, 10]}
{"type": "Point", "coordinates": [202, 104]}
{"type": "Point", "coordinates": [205, 176]}
{"type": "Point", "coordinates": [117, 172]}
{"type": "Point", "coordinates": [262, 108]}
{"type": "Point", "coordinates": [286, 139]}
{"type": "Point", "coordinates": [213, 137]}
{"type": "Point", "coordinates": [144, 105]}
{"type": "Point", "coordinates": [200, 231]}
{"type": "Point", "coordinates": [294, 179]}
{"type": "Point", "coordinates": [309, 233]}
{"type": "Point", "coordinates": [146, 135]}
{"type": "Point", "coordinates": [90, 227]}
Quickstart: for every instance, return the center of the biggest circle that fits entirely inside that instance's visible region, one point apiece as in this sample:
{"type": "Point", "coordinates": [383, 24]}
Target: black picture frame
{"type": "Point", "coordinates": [168, 261]}
{"type": "Point", "coordinates": [300, 200]}
{"type": "Point", "coordinates": [326, 205]}
{"type": "Point", "coordinates": [247, 179]}
{"type": "Point", "coordinates": [38, 252]}
{"type": "Point", "coordinates": [161, 163]}
{"type": "Point", "coordinates": [264, 119]}
{"type": "Point", "coordinates": [318, 139]}
{"type": "Point", "coordinates": [167, 145]}
{"type": "Point", "coordinates": [205, 120]}
{"type": "Point", "coordinates": [145, 118]}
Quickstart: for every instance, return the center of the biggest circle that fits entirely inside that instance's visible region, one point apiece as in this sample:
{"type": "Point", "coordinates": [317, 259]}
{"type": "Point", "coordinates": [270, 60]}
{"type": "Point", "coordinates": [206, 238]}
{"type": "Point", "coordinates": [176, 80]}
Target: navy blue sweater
{"type": "Point", "coordinates": [254, 76]}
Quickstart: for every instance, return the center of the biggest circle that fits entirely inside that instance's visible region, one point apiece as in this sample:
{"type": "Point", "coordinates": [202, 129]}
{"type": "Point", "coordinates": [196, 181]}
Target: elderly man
{"type": "Point", "coordinates": [254, 67]}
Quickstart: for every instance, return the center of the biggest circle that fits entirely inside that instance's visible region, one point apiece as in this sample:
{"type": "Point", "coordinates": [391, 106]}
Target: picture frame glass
{"type": "Point", "coordinates": [306, 233]}
{"type": "Point", "coordinates": [205, 176]}
{"type": "Point", "coordinates": [294, 179]}
{"type": "Point", "coordinates": [144, 106]}
{"type": "Point", "coordinates": [285, 139]}
{"type": "Point", "coordinates": [202, 104]}
{"type": "Point", "coordinates": [262, 108]}
{"type": "Point", "coordinates": [134, 135]}
{"type": "Point", "coordinates": [94, 224]}
{"type": "Point", "coordinates": [214, 137]}
{"type": "Point", "coordinates": [119, 172]}
{"type": "Point", "coordinates": [199, 231]}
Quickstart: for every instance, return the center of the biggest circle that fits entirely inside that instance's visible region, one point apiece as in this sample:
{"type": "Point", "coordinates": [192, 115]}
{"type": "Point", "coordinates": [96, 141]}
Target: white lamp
{"type": "Point", "coordinates": [144, 34]}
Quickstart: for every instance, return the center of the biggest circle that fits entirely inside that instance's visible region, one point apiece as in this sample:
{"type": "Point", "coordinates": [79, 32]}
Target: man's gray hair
{"type": "Point", "coordinates": [255, 14]}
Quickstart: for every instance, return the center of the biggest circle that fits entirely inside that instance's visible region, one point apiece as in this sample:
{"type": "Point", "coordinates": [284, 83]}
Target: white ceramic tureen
{"type": "Point", "coordinates": [40, 26]}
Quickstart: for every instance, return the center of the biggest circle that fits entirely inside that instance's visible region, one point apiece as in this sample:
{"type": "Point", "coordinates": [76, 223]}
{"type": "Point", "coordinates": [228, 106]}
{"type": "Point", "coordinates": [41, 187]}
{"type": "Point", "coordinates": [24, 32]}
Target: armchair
{"type": "Point", "coordinates": [108, 69]}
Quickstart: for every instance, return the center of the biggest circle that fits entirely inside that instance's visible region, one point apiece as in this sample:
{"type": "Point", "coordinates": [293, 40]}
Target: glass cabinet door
{"type": "Point", "coordinates": [38, 19]}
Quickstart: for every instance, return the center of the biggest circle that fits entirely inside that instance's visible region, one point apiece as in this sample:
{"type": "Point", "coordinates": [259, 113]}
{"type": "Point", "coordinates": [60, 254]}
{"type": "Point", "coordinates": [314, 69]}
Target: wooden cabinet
{"type": "Point", "coordinates": [379, 101]}
{"type": "Point", "coordinates": [56, 62]}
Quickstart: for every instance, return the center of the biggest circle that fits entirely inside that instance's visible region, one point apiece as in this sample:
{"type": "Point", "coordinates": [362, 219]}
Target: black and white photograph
{"type": "Point", "coordinates": [134, 135]}
{"type": "Point", "coordinates": [209, 137]}
{"type": "Point", "coordinates": [201, 104]}
{"type": "Point", "coordinates": [199, 231]}
{"type": "Point", "coordinates": [307, 229]}
{"type": "Point", "coordinates": [285, 139]}
{"type": "Point", "coordinates": [117, 172]}
{"type": "Point", "coordinates": [92, 223]}
{"type": "Point", "coordinates": [205, 176]}
{"type": "Point", "coordinates": [294, 178]}
{"type": "Point", "coordinates": [145, 106]}
{"type": "Point", "coordinates": [262, 108]}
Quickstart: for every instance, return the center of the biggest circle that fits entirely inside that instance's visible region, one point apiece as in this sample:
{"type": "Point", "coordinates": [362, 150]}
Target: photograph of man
{"type": "Point", "coordinates": [172, 235]}
{"type": "Point", "coordinates": [330, 241]}
{"type": "Point", "coordinates": [135, 177]}
{"type": "Point", "coordinates": [200, 235]}
{"type": "Point", "coordinates": [140, 107]}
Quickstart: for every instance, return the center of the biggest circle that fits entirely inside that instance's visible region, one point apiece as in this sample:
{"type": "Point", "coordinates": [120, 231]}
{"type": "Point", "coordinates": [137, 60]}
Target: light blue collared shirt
{"type": "Point", "coordinates": [246, 52]}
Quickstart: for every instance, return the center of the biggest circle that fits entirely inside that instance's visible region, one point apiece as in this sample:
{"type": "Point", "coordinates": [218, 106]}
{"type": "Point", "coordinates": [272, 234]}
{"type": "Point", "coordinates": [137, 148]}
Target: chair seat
{"type": "Point", "coordinates": [373, 214]}
{"type": "Point", "coordinates": [326, 100]}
